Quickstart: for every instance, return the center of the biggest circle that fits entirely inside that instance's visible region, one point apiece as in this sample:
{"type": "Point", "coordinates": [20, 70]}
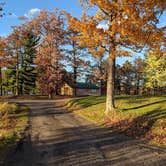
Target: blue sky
{"type": "Point", "coordinates": [22, 7]}
{"type": "Point", "coordinates": [27, 7]}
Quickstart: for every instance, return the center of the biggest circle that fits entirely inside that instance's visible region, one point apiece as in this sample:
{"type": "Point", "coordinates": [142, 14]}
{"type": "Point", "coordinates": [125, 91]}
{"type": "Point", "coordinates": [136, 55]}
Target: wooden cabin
{"type": "Point", "coordinates": [82, 89]}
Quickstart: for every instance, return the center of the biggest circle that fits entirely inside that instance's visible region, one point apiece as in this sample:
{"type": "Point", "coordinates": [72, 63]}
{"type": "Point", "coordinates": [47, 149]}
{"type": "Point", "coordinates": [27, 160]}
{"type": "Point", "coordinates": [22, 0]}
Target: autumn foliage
{"type": "Point", "coordinates": [49, 26]}
{"type": "Point", "coordinates": [128, 25]}
{"type": "Point", "coordinates": [43, 52]}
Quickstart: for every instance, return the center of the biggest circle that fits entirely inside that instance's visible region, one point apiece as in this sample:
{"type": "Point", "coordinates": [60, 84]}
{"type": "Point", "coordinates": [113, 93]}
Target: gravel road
{"type": "Point", "coordinates": [60, 138]}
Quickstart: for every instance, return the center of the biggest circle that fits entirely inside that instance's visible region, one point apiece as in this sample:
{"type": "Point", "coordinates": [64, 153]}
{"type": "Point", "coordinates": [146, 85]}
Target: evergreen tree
{"type": "Point", "coordinates": [28, 73]}
{"type": "Point", "coordinates": [22, 71]}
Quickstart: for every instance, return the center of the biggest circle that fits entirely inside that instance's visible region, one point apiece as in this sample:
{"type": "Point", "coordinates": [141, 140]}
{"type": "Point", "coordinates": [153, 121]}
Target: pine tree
{"type": "Point", "coordinates": [28, 68]}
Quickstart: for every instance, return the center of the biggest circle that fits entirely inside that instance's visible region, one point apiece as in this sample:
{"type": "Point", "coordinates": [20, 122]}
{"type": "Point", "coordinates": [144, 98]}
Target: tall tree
{"type": "Point", "coordinates": [98, 72]}
{"type": "Point", "coordinates": [18, 45]}
{"type": "Point", "coordinates": [15, 45]}
{"type": "Point", "coordinates": [138, 67]}
{"type": "Point", "coordinates": [28, 73]}
{"type": "Point", "coordinates": [3, 59]}
{"type": "Point", "coordinates": [155, 70]}
{"type": "Point", "coordinates": [118, 79]}
{"type": "Point", "coordinates": [127, 76]}
{"type": "Point", "coordinates": [76, 57]}
{"type": "Point", "coordinates": [49, 26]}
{"type": "Point", "coordinates": [128, 24]}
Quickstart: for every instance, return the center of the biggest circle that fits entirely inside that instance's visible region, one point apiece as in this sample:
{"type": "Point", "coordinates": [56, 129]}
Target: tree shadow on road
{"type": "Point", "coordinates": [86, 145]}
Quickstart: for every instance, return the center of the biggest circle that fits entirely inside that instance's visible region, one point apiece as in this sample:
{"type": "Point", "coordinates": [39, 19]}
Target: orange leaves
{"type": "Point", "coordinates": [49, 26]}
{"type": "Point", "coordinates": [4, 53]}
{"type": "Point", "coordinates": [73, 22]}
{"type": "Point", "coordinates": [133, 20]}
{"type": "Point", "coordinates": [96, 53]}
{"type": "Point", "coordinates": [89, 36]}
{"type": "Point", "coordinates": [120, 53]}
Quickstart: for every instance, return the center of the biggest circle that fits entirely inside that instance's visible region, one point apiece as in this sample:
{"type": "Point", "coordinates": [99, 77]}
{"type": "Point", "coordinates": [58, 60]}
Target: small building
{"type": "Point", "coordinates": [82, 89]}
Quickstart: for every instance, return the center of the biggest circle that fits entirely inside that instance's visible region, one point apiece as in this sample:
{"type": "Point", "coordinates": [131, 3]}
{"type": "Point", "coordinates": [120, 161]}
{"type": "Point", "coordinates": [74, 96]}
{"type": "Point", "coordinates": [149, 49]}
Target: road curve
{"type": "Point", "coordinates": [60, 138]}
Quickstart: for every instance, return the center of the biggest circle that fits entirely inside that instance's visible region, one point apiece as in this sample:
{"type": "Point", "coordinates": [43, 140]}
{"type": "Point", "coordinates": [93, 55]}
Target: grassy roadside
{"type": "Point", "coordinates": [13, 121]}
{"type": "Point", "coordinates": [137, 116]}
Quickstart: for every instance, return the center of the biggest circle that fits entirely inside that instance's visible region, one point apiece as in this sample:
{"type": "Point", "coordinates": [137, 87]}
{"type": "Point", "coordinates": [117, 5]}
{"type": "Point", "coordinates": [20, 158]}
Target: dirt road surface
{"type": "Point", "coordinates": [60, 138]}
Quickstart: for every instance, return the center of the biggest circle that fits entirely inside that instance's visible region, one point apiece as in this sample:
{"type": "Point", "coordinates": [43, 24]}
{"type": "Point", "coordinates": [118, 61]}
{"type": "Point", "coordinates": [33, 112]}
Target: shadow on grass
{"type": "Point", "coordinates": [86, 102]}
{"type": "Point", "coordinates": [136, 101]}
{"type": "Point", "coordinates": [145, 105]}
{"type": "Point", "coordinates": [140, 126]}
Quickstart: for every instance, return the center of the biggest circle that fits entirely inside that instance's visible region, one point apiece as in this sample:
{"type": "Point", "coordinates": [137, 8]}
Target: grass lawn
{"type": "Point", "coordinates": [138, 116]}
{"type": "Point", "coordinates": [13, 121]}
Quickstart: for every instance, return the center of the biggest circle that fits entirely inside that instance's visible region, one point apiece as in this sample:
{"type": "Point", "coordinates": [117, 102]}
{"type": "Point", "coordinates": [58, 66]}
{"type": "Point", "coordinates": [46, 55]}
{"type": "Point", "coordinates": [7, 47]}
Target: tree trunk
{"type": "Point", "coordinates": [110, 106]}
{"type": "Point", "coordinates": [137, 85]}
{"type": "Point", "coordinates": [75, 80]}
{"type": "Point", "coordinates": [74, 67]}
{"type": "Point", "coordinates": [100, 87]}
{"type": "Point", "coordinates": [100, 69]}
{"type": "Point", "coordinates": [1, 81]}
{"type": "Point", "coordinates": [50, 95]}
{"type": "Point", "coordinates": [17, 79]}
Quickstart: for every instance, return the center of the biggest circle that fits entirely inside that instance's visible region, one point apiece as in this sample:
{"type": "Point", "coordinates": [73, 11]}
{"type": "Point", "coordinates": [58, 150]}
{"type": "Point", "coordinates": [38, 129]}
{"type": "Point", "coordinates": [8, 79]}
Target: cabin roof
{"type": "Point", "coordinates": [82, 85]}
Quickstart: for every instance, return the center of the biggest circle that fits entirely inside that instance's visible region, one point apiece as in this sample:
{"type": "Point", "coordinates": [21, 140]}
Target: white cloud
{"type": "Point", "coordinates": [32, 13]}
{"type": "Point", "coordinates": [103, 26]}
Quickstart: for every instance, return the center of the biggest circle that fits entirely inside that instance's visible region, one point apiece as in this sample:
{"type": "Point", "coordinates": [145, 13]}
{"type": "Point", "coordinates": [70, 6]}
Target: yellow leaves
{"type": "Point", "coordinates": [98, 16]}
{"type": "Point", "coordinates": [155, 69]}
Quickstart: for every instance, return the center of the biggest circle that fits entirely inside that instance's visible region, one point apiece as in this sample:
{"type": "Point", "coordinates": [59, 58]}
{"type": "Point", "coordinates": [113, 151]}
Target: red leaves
{"type": "Point", "coordinates": [49, 26]}
{"type": "Point", "coordinates": [3, 53]}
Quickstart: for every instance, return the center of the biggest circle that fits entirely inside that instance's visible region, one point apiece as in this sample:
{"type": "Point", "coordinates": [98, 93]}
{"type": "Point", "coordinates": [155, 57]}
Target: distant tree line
{"type": "Point", "coordinates": [142, 76]}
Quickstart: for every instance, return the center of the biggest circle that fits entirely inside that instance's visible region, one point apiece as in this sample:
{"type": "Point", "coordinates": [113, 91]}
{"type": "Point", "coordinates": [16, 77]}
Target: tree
{"type": "Point", "coordinates": [138, 66]}
{"type": "Point", "coordinates": [75, 57]}
{"type": "Point", "coordinates": [22, 70]}
{"type": "Point", "coordinates": [98, 72]}
{"type": "Point", "coordinates": [28, 73]}
{"type": "Point", "coordinates": [15, 44]}
{"type": "Point", "coordinates": [49, 26]}
{"type": "Point", "coordinates": [127, 76]}
{"type": "Point", "coordinates": [155, 70]}
{"type": "Point", "coordinates": [118, 79]}
{"type": "Point", "coordinates": [3, 58]}
{"type": "Point", "coordinates": [128, 25]}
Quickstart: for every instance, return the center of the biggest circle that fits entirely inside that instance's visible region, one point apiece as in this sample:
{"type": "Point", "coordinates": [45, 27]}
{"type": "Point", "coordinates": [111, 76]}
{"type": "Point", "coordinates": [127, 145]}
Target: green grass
{"type": "Point", "coordinates": [13, 121]}
{"type": "Point", "coordinates": [138, 116]}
